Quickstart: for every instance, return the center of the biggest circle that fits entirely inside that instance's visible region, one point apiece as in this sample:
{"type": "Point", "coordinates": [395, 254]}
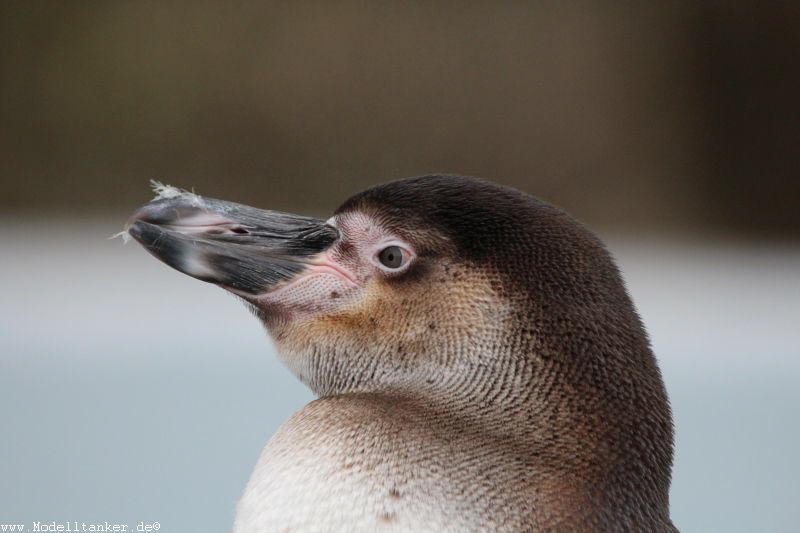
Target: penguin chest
{"type": "Point", "coordinates": [304, 495]}
{"type": "Point", "coordinates": [356, 470]}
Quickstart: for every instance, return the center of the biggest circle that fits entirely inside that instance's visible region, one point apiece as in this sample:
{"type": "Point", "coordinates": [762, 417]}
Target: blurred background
{"type": "Point", "coordinates": [131, 393]}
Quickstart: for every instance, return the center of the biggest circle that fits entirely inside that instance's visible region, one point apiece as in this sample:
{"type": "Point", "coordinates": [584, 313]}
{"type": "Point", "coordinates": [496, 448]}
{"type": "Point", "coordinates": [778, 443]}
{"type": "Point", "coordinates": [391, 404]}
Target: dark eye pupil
{"type": "Point", "coordinates": [391, 257]}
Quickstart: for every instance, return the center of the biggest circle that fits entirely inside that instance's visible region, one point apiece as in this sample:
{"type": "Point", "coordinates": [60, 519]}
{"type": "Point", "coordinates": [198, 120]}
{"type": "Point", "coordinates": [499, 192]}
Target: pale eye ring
{"type": "Point", "coordinates": [392, 257]}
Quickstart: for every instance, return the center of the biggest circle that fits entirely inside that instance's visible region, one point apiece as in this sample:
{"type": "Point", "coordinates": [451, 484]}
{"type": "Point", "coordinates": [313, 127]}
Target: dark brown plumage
{"type": "Point", "coordinates": [568, 380]}
{"type": "Point", "coordinates": [500, 381]}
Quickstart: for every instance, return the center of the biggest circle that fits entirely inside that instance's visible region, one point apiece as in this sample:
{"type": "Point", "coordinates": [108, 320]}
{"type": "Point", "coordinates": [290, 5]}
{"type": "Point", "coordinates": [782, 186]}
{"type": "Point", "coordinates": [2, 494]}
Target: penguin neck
{"type": "Point", "coordinates": [599, 418]}
{"type": "Point", "coordinates": [559, 408]}
{"type": "Point", "coordinates": [586, 405]}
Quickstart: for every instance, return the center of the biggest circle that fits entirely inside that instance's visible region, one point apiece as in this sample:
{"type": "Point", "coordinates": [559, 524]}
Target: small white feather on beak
{"type": "Point", "coordinates": [163, 191]}
{"type": "Point", "coordinates": [122, 234]}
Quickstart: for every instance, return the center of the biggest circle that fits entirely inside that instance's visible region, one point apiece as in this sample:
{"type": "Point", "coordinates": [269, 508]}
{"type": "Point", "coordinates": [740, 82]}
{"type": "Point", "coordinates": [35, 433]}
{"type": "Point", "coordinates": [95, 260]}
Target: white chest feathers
{"type": "Point", "coordinates": [336, 466]}
{"type": "Point", "coordinates": [306, 491]}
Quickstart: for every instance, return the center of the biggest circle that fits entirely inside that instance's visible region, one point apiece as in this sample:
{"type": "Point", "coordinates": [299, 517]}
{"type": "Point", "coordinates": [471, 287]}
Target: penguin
{"type": "Point", "coordinates": [478, 362]}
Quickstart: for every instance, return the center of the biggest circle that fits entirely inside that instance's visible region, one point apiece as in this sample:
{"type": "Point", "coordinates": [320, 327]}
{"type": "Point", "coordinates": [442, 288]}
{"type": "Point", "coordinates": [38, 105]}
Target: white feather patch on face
{"type": "Point", "coordinates": [367, 236]}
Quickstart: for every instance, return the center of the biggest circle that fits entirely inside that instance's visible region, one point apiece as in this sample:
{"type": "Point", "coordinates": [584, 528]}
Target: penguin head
{"type": "Point", "coordinates": [474, 297]}
{"type": "Point", "coordinates": [409, 284]}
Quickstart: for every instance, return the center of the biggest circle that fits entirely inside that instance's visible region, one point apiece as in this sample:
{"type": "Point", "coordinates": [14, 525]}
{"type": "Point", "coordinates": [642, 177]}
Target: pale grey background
{"type": "Point", "coordinates": [131, 392]}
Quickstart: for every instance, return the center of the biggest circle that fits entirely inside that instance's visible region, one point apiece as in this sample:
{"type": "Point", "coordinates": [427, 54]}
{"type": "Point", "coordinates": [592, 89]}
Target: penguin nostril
{"type": "Point", "coordinates": [240, 231]}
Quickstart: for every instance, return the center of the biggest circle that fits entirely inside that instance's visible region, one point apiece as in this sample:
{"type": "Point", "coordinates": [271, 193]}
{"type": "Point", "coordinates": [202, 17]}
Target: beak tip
{"type": "Point", "coordinates": [206, 239]}
{"type": "Point", "coordinates": [133, 228]}
{"type": "Point", "coordinates": [137, 230]}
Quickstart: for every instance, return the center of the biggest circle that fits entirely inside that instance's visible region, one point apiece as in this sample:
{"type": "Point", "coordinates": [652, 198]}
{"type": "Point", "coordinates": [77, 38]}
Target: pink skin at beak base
{"type": "Point", "coordinates": [322, 287]}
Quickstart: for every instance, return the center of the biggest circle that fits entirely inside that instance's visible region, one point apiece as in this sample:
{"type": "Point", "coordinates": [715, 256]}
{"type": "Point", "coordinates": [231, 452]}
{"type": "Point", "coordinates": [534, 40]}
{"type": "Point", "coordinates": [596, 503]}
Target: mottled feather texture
{"type": "Point", "coordinates": [503, 383]}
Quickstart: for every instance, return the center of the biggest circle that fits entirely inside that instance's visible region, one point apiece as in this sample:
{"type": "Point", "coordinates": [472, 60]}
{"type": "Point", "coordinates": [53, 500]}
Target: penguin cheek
{"type": "Point", "coordinates": [306, 297]}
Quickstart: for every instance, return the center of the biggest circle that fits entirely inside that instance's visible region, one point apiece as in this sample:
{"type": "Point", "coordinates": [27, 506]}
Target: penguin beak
{"type": "Point", "coordinates": [243, 249]}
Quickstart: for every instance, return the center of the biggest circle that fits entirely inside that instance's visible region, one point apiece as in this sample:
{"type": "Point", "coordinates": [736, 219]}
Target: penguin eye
{"type": "Point", "coordinates": [392, 257]}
